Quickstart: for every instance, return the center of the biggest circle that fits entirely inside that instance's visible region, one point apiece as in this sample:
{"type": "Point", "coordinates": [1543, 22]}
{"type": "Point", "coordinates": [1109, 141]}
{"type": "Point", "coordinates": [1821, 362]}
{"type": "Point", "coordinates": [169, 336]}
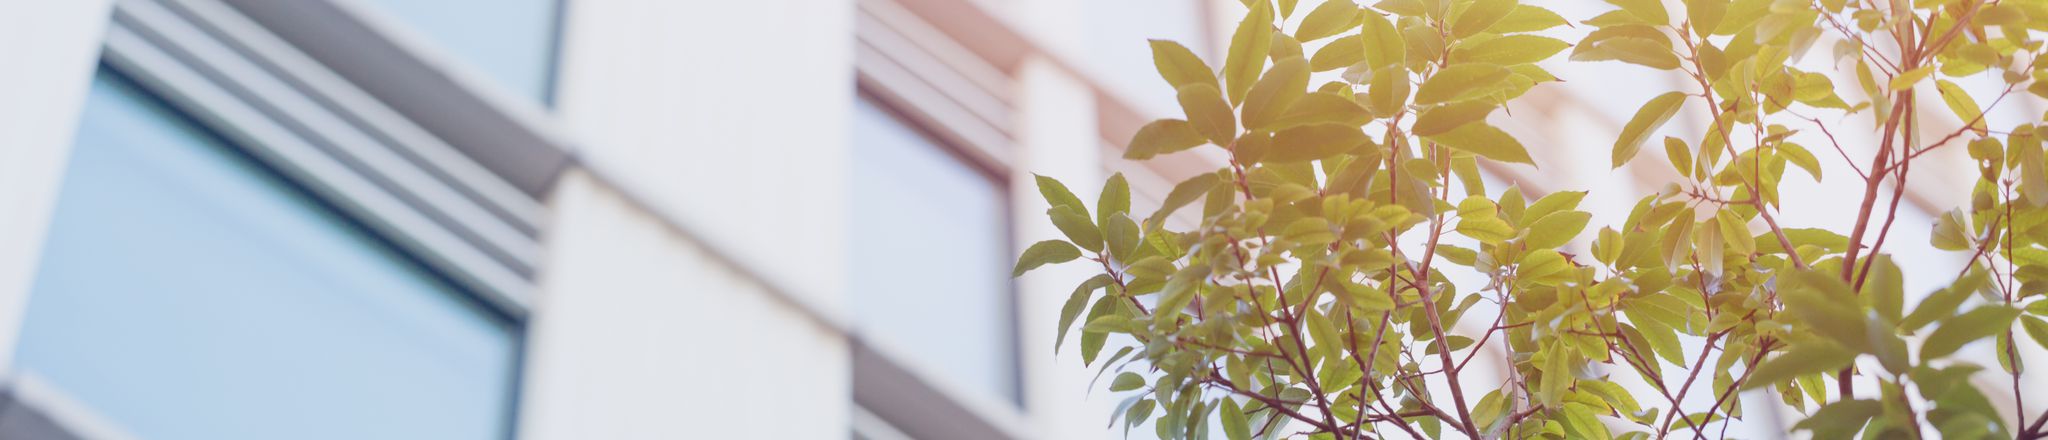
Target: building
{"type": "Point", "coordinates": [571, 219]}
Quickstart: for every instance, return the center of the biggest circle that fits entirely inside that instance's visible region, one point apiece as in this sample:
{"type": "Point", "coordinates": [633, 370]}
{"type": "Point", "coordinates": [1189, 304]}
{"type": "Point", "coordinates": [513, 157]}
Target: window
{"type": "Point", "coordinates": [188, 292]}
{"type": "Point", "coordinates": [512, 41]}
{"type": "Point", "coordinates": [930, 271]}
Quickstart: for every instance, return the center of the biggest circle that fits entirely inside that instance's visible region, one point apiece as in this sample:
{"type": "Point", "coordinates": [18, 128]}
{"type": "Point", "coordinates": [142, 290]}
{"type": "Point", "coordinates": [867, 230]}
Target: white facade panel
{"type": "Point", "coordinates": [729, 116]}
{"type": "Point", "coordinates": [639, 334]}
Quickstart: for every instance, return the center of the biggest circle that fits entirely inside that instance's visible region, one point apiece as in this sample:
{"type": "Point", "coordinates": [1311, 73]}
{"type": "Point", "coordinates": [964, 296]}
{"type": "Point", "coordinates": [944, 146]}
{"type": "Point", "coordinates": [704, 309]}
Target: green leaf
{"type": "Point", "coordinates": [1235, 427]}
{"type": "Point", "coordinates": [1675, 245]}
{"type": "Point", "coordinates": [1248, 48]}
{"type": "Point", "coordinates": [1322, 107]}
{"type": "Point", "coordinates": [1115, 198]}
{"type": "Point", "coordinates": [1952, 231]}
{"type": "Point", "coordinates": [1679, 154]}
{"type": "Point", "coordinates": [1542, 266]}
{"type": "Point", "coordinates": [1443, 118]}
{"type": "Point", "coordinates": [1460, 82]}
{"type": "Point", "coordinates": [1122, 235]}
{"type": "Point", "coordinates": [1554, 202]}
{"type": "Point", "coordinates": [1342, 52]}
{"type": "Point", "coordinates": [1906, 79]}
{"type": "Point", "coordinates": [1180, 66]}
{"type": "Point", "coordinates": [1887, 287]}
{"type": "Point", "coordinates": [1274, 93]}
{"type": "Point", "coordinates": [1634, 44]}
{"type": "Point", "coordinates": [1511, 50]}
{"type": "Point", "coordinates": [1962, 104]}
{"type": "Point", "coordinates": [1479, 16]}
{"type": "Point", "coordinates": [1662, 339]}
{"type": "Point", "coordinates": [1368, 298]}
{"type": "Point", "coordinates": [1208, 113]}
{"type": "Point", "coordinates": [1313, 142]}
{"type": "Point", "coordinates": [1127, 381]}
{"type": "Point", "coordinates": [1970, 326]}
{"type": "Point", "coordinates": [1526, 18]}
{"type": "Point", "coordinates": [1705, 16]}
{"type": "Point", "coordinates": [1057, 194]}
{"type": "Point", "coordinates": [2036, 329]}
{"type": "Point", "coordinates": [1184, 193]}
{"type": "Point", "coordinates": [1798, 155]}
{"type": "Point", "coordinates": [1942, 303]}
{"type": "Point", "coordinates": [1828, 308]}
{"type": "Point", "coordinates": [1797, 360]}
{"type": "Point", "coordinates": [1580, 421]}
{"type": "Point", "coordinates": [1653, 114]}
{"type": "Point", "coordinates": [1077, 227]}
{"type": "Point", "coordinates": [1651, 11]}
{"type": "Point", "coordinates": [1043, 253]}
{"type": "Point", "coordinates": [1735, 231]}
{"type": "Point", "coordinates": [1384, 45]}
{"type": "Point", "coordinates": [1556, 229]}
{"type": "Point", "coordinates": [1161, 137]}
{"type": "Point", "coordinates": [1328, 19]}
{"type": "Point", "coordinates": [2033, 167]}
{"type": "Point", "coordinates": [1140, 412]}
{"type": "Point", "coordinates": [1178, 292]}
{"type": "Point", "coordinates": [1079, 300]}
{"type": "Point", "coordinates": [1477, 218]}
{"type": "Point", "coordinates": [1841, 419]}
{"type": "Point", "coordinates": [1389, 92]}
{"type": "Point", "coordinates": [1092, 342]}
{"type": "Point", "coordinates": [1485, 140]}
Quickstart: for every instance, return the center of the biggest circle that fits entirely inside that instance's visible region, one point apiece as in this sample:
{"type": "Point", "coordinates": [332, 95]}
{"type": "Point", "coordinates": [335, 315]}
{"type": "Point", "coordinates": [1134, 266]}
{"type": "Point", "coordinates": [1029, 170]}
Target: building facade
{"type": "Point", "coordinates": [617, 219]}
{"type": "Point", "coordinates": [544, 219]}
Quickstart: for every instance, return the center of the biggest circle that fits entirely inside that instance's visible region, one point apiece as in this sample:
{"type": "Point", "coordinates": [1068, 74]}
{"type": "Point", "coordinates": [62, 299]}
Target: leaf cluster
{"type": "Point", "coordinates": [1313, 293]}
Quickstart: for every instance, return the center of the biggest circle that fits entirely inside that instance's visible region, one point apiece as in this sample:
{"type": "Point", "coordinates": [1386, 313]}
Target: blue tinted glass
{"type": "Point", "coordinates": [186, 292]}
{"type": "Point", "coordinates": [512, 41]}
{"type": "Point", "coordinates": [929, 255]}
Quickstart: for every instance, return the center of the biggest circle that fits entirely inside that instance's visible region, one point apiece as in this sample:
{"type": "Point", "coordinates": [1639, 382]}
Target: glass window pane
{"type": "Point", "coordinates": [929, 255]}
{"type": "Point", "coordinates": [186, 292]}
{"type": "Point", "coordinates": [512, 41]}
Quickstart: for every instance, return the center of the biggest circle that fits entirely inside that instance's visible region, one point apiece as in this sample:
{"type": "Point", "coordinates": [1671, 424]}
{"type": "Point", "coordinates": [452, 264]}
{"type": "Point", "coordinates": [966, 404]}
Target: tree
{"type": "Point", "coordinates": [1311, 296]}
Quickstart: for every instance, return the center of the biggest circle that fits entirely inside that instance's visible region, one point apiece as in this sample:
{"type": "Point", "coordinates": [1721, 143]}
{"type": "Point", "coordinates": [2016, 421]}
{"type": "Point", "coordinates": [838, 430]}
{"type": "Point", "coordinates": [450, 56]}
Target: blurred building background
{"type": "Point", "coordinates": [619, 219]}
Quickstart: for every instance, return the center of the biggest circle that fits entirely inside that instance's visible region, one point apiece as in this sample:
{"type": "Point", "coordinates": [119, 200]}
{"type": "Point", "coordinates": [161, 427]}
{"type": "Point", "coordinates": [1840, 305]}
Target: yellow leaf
{"type": "Point", "coordinates": [1480, 15]}
{"type": "Point", "coordinates": [1526, 18]}
{"type": "Point", "coordinates": [1248, 48]}
{"type": "Point", "coordinates": [1313, 142]}
{"type": "Point", "coordinates": [1209, 114]}
{"type": "Point", "coordinates": [1486, 141]}
{"type": "Point", "coordinates": [1180, 66]}
{"type": "Point", "coordinates": [1286, 82]}
{"type": "Point", "coordinates": [1446, 117]}
{"type": "Point", "coordinates": [1653, 114]}
{"type": "Point", "coordinates": [1328, 19]}
{"type": "Point", "coordinates": [1906, 79]}
{"type": "Point", "coordinates": [1965, 108]}
{"type": "Point", "coordinates": [1161, 137]}
{"type": "Point", "coordinates": [1512, 49]}
{"type": "Point", "coordinates": [1461, 82]}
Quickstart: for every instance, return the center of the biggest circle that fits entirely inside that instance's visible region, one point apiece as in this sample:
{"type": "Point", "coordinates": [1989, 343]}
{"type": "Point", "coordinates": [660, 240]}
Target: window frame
{"type": "Point", "coordinates": [471, 223]}
{"type": "Point", "coordinates": [909, 68]}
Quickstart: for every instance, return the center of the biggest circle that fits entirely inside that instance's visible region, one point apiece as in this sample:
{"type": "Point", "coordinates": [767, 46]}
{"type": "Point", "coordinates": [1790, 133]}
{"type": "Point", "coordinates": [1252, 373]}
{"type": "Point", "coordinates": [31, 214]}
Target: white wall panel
{"type": "Point", "coordinates": [730, 116]}
{"type": "Point", "coordinates": [639, 334]}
